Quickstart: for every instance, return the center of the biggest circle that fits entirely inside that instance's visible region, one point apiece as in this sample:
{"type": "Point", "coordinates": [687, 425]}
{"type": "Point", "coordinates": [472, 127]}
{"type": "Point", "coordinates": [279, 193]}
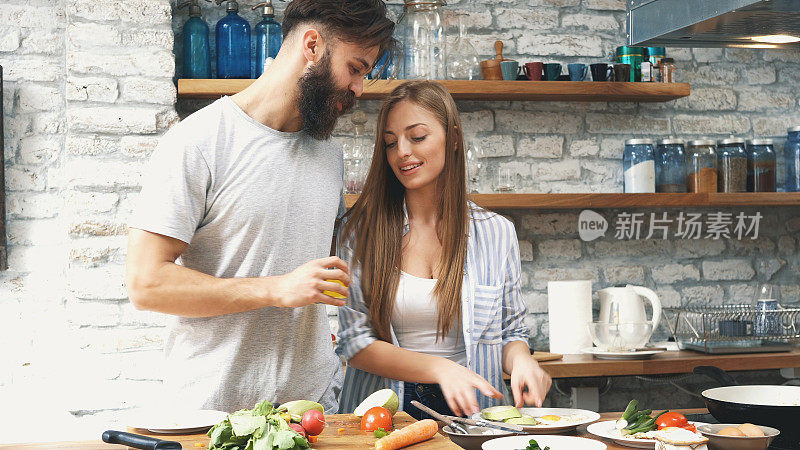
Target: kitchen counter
{"type": "Point", "coordinates": [330, 439]}
{"type": "Point", "coordinates": [668, 362]}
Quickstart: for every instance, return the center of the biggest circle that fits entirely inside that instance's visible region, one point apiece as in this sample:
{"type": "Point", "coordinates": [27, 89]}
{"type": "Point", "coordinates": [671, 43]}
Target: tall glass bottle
{"type": "Point", "coordinates": [423, 40]}
{"type": "Point", "coordinates": [463, 62]}
{"type": "Point", "coordinates": [233, 43]}
{"type": "Point", "coordinates": [268, 36]}
{"type": "Point", "coordinates": [357, 155]}
{"type": "Point", "coordinates": [196, 50]}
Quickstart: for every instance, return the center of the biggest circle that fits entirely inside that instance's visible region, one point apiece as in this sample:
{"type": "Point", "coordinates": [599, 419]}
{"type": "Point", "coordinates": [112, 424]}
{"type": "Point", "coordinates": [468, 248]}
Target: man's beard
{"type": "Point", "coordinates": [319, 98]}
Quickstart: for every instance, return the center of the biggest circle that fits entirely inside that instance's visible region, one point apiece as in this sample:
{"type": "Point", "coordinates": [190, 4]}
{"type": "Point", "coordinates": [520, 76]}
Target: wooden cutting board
{"type": "Point", "coordinates": [349, 438]}
{"type": "Point", "coordinates": [546, 356]}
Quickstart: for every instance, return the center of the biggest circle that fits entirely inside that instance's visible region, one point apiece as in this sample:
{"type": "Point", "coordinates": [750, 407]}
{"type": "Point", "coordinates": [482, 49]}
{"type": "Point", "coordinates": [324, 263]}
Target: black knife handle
{"type": "Point", "coordinates": [139, 441]}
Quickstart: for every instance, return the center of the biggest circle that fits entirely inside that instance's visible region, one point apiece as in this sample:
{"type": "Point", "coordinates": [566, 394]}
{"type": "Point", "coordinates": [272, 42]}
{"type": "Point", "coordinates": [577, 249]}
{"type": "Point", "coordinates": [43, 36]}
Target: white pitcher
{"type": "Point", "coordinates": [625, 305]}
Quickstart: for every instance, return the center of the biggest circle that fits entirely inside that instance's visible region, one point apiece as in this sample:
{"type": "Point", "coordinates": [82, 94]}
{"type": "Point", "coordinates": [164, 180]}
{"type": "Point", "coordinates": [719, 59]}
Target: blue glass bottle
{"type": "Point", "coordinates": [638, 163]}
{"type": "Point", "coordinates": [670, 166]}
{"type": "Point", "coordinates": [269, 37]}
{"type": "Point", "coordinates": [233, 44]}
{"type": "Point", "coordinates": [792, 159]}
{"type": "Point", "coordinates": [196, 50]}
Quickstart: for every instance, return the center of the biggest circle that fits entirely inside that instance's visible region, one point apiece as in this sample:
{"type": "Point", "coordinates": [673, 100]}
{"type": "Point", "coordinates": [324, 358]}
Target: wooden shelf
{"type": "Point", "coordinates": [600, 201]}
{"type": "Point", "coordinates": [565, 91]}
{"type": "Point", "coordinates": [667, 362]}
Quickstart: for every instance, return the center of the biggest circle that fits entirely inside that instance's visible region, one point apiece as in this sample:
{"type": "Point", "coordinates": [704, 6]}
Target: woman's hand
{"type": "Point", "coordinates": [529, 383]}
{"type": "Point", "coordinates": [458, 385]}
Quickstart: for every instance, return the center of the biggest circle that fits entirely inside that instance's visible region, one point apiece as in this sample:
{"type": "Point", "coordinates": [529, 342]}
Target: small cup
{"type": "Point", "coordinates": [552, 71]}
{"type": "Point", "coordinates": [505, 180]}
{"type": "Point", "coordinates": [533, 70]}
{"type": "Point", "coordinates": [622, 72]}
{"type": "Point", "coordinates": [510, 70]}
{"type": "Point", "coordinates": [490, 69]}
{"type": "Point", "coordinates": [601, 71]}
{"type": "Point", "coordinates": [577, 71]}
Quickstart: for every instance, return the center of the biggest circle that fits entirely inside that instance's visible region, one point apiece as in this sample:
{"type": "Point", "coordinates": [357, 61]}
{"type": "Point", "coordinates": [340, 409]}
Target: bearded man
{"type": "Point", "coordinates": [234, 224]}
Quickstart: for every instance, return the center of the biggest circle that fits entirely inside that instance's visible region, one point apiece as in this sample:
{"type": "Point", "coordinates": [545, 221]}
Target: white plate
{"type": "Point", "coordinates": [175, 422]}
{"type": "Point", "coordinates": [607, 429]}
{"type": "Point", "coordinates": [554, 442]}
{"type": "Point", "coordinates": [602, 354]}
{"type": "Point", "coordinates": [588, 417]}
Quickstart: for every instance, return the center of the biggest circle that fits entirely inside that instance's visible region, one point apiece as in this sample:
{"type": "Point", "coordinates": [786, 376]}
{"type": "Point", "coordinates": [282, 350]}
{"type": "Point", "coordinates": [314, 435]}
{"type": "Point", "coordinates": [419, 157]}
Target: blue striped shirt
{"type": "Point", "coordinates": [493, 311]}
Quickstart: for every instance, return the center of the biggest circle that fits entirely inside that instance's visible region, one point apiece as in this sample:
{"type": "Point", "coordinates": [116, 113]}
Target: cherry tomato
{"type": "Point", "coordinates": [690, 427]}
{"type": "Point", "coordinates": [313, 421]}
{"type": "Point", "coordinates": [377, 417]}
{"type": "Point", "coordinates": [297, 427]}
{"type": "Point", "coordinates": [672, 419]}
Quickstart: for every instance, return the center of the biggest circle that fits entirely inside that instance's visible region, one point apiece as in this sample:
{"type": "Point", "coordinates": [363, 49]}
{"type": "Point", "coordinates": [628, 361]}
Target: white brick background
{"type": "Point", "coordinates": [90, 87]}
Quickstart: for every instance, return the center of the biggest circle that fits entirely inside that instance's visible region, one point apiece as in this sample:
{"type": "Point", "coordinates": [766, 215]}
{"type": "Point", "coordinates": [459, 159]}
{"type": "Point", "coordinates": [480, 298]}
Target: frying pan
{"type": "Point", "coordinates": [773, 406]}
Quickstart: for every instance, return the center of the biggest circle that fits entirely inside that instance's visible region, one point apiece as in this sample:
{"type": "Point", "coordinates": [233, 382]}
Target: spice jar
{"type": "Point", "coordinates": [639, 166]}
{"type": "Point", "coordinates": [731, 165]}
{"type": "Point", "coordinates": [701, 166]}
{"type": "Point", "coordinates": [667, 70]}
{"type": "Point", "coordinates": [792, 159]}
{"type": "Point", "coordinates": [760, 166]}
{"type": "Point", "coordinates": [670, 166]}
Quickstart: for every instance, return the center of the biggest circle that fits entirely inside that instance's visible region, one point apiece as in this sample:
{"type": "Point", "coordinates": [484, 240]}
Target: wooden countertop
{"type": "Point", "coordinates": [350, 438]}
{"type": "Point", "coordinates": [668, 362]}
{"type": "Point", "coordinates": [331, 438]}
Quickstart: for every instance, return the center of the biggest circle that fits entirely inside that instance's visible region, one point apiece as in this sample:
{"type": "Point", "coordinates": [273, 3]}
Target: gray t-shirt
{"type": "Point", "coordinates": [250, 201]}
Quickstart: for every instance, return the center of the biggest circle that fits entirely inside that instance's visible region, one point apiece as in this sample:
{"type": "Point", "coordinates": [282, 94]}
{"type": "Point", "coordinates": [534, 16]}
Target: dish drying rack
{"type": "Point", "coordinates": [733, 328]}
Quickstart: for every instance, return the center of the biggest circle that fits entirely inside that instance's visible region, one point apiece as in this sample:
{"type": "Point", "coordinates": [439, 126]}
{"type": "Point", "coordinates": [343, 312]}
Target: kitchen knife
{"type": "Point", "coordinates": [476, 423]}
{"type": "Point", "coordinates": [139, 441]}
{"type": "Point", "coordinates": [448, 420]}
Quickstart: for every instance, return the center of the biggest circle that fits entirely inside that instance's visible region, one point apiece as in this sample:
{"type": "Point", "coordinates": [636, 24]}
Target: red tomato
{"type": "Point", "coordinates": [297, 427]}
{"type": "Point", "coordinates": [313, 421]}
{"type": "Point", "coordinates": [377, 417]}
{"type": "Point", "coordinates": [672, 419]}
{"type": "Point", "coordinates": [690, 427]}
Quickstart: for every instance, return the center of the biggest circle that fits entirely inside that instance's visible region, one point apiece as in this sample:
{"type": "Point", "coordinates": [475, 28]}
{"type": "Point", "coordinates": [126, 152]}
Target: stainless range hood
{"type": "Point", "coordinates": [712, 23]}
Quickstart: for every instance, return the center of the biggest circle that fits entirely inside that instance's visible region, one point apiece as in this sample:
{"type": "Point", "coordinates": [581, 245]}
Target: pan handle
{"type": "Point", "coordinates": [717, 374]}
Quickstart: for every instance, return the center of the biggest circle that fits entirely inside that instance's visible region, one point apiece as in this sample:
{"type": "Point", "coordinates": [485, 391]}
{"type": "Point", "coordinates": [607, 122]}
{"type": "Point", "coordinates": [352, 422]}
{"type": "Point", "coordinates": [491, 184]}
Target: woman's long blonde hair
{"type": "Point", "coordinates": [375, 222]}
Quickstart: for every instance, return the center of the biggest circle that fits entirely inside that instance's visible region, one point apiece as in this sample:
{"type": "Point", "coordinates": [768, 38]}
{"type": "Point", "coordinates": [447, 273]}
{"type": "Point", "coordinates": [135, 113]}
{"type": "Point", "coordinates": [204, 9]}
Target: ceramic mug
{"type": "Point", "coordinates": [601, 71]}
{"type": "Point", "coordinates": [533, 70]}
{"type": "Point", "coordinates": [622, 72]}
{"type": "Point", "coordinates": [552, 71]}
{"type": "Point", "coordinates": [577, 71]}
{"type": "Point", "coordinates": [510, 70]}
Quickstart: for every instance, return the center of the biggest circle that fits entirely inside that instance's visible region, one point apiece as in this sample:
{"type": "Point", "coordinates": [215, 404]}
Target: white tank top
{"type": "Point", "coordinates": [415, 320]}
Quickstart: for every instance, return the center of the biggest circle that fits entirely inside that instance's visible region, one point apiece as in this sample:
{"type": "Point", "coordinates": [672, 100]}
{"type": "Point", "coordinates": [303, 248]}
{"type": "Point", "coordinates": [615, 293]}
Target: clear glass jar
{"type": "Point", "coordinates": [666, 70]}
{"type": "Point", "coordinates": [638, 164]}
{"type": "Point", "coordinates": [357, 155]}
{"type": "Point", "coordinates": [791, 155]}
{"type": "Point", "coordinates": [760, 165]}
{"type": "Point", "coordinates": [670, 166]}
{"type": "Point", "coordinates": [423, 40]}
{"type": "Point", "coordinates": [476, 166]}
{"type": "Point", "coordinates": [462, 59]}
{"type": "Point", "coordinates": [701, 166]}
{"type": "Point", "coordinates": [731, 165]}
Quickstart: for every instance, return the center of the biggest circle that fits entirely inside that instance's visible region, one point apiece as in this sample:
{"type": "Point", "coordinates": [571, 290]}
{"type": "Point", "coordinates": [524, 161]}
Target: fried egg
{"type": "Point", "coordinates": [552, 419]}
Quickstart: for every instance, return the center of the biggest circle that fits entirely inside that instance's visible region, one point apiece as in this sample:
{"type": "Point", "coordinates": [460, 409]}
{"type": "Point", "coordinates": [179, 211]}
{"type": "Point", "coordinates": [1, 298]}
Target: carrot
{"type": "Point", "coordinates": [408, 435]}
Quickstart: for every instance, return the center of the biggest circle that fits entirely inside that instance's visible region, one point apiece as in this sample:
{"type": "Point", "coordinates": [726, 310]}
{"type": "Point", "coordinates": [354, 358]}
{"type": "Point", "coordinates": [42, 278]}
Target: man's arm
{"type": "Point", "coordinates": [156, 283]}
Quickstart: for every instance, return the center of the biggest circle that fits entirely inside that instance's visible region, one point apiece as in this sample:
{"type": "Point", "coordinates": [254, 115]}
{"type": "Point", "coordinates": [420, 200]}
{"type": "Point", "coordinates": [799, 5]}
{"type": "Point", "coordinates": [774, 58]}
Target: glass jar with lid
{"type": "Point", "coordinates": [670, 166]}
{"type": "Point", "coordinates": [421, 33]}
{"type": "Point", "coordinates": [638, 164]}
{"type": "Point", "coordinates": [357, 154]}
{"type": "Point", "coordinates": [731, 165]}
{"type": "Point", "coordinates": [792, 159]}
{"type": "Point", "coordinates": [701, 166]}
{"type": "Point", "coordinates": [760, 165]}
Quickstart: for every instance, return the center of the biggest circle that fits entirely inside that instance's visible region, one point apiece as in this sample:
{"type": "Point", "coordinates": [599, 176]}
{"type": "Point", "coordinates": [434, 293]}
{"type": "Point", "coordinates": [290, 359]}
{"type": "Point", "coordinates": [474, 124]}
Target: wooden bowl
{"type": "Point", "coordinates": [490, 69]}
